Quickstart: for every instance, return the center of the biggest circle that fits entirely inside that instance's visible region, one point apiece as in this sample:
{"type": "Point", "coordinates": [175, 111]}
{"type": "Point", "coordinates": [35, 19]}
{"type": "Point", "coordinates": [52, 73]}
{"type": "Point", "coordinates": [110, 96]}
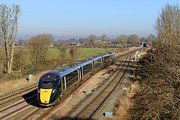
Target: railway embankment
{"type": "Point", "coordinates": [156, 94]}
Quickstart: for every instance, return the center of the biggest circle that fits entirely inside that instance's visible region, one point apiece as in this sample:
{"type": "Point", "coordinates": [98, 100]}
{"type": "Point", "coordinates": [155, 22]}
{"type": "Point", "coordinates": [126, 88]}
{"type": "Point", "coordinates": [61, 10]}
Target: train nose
{"type": "Point", "coordinates": [45, 95]}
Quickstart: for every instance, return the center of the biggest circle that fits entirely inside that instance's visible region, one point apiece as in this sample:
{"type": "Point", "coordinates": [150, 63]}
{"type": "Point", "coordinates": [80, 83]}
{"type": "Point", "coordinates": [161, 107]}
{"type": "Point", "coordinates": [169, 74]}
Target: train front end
{"type": "Point", "coordinates": [48, 89]}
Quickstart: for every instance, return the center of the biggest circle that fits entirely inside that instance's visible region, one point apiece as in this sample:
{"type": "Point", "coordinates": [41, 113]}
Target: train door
{"type": "Point", "coordinates": [62, 87]}
{"type": "Point", "coordinates": [101, 62]}
{"type": "Point", "coordinates": [79, 73]}
{"type": "Point", "coordinates": [92, 65]}
{"type": "Point", "coordinates": [64, 81]}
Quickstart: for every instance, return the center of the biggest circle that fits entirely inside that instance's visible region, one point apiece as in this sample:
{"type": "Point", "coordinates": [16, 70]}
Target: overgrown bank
{"type": "Point", "coordinates": [159, 96]}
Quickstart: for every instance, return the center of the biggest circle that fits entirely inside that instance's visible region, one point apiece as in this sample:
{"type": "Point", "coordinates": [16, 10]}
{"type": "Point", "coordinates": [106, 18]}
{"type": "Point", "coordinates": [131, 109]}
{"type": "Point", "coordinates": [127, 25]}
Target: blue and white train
{"type": "Point", "coordinates": [54, 84]}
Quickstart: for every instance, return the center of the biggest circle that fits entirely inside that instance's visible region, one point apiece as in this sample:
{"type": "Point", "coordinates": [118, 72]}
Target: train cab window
{"type": "Point", "coordinates": [48, 81]}
{"type": "Point", "coordinates": [47, 84]}
{"type": "Point", "coordinates": [71, 78]}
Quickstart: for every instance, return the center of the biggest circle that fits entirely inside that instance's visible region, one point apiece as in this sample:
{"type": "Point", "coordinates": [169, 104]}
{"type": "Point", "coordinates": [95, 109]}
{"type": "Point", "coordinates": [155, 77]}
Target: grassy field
{"type": "Point", "coordinates": [83, 53]}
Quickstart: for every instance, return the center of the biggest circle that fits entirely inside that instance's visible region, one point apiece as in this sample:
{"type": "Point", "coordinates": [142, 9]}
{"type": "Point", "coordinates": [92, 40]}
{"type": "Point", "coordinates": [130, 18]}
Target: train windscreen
{"type": "Point", "coordinates": [47, 81]}
{"type": "Point", "coordinates": [47, 84]}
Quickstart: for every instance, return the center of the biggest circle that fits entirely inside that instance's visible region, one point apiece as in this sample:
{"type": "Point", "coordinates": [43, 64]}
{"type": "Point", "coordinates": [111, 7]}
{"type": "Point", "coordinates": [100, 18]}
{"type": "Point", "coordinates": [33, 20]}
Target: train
{"type": "Point", "coordinates": [56, 83]}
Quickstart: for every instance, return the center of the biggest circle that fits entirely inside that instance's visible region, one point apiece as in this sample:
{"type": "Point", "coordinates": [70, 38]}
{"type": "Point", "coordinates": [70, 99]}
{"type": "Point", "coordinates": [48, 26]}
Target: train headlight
{"type": "Point", "coordinates": [53, 90]}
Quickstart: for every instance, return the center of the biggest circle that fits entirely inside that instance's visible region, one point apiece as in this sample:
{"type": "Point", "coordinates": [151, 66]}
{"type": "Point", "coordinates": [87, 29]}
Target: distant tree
{"type": "Point", "coordinates": [122, 40]}
{"type": "Point", "coordinates": [20, 42]}
{"type": "Point", "coordinates": [103, 37]}
{"type": "Point", "coordinates": [91, 40]}
{"type": "Point", "coordinates": [134, 40]}
{"type": "Point", "coordinates": [142, 39]}
{"type": "Point", "coordinates": [9, 17]}
{"type": "Point", "coordinates": [63, 52]}
{"type": "Point", "coordinates": [105, 42]}
{"type": "Point", "coordinates": [39, 46]}
{"type": "Point", "coordinates": [73, 52]}
{"type": "Point", "coordinates": [151, 37]}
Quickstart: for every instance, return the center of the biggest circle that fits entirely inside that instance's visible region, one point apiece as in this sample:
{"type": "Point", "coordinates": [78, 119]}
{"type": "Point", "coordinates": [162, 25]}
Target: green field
{"type": "Point", "coordinates": [83, 53]}
{"type": "Point", "coordinates": [53, 53]}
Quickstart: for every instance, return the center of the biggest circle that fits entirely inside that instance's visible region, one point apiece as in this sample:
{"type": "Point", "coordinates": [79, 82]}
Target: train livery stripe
{"type": "Point", "coordinates": [45, 95]}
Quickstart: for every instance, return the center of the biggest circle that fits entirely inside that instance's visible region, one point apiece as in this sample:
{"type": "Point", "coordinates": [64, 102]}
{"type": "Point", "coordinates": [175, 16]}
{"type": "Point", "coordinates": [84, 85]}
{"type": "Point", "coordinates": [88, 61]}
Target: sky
{"type": "Point", "coordinates": [80, 18]}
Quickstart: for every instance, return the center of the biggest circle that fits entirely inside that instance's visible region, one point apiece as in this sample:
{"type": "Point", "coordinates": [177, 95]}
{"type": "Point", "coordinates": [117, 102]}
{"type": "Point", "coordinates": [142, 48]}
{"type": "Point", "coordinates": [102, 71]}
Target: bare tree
{"type": "Point", "coordinates": [9, 17]}
{"type": "Point", "coordinates": [39, 46]}
{"type": "Point", "coordinates": [91, 41]}
{"type": "Point", "coordinates": [18, 60]}
{"type": "Point", "coordinates": [63, 52]}
{"type": "Point", "coordinates": [103, 37]}
{"type": "Point", "coordinates": [168, 26]}
{"type": "Point", "coordinates": [73, 52]}
{"type": "Point", "coordinates": [134, 40]}
{"type": "Point", "coordinates": [122, 40]}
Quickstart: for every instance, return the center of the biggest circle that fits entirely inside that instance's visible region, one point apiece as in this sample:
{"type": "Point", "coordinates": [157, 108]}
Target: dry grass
{"type": "Point", "coordinates": [125, 103]}
{"type": "Point", "coordinates": [12, 85]}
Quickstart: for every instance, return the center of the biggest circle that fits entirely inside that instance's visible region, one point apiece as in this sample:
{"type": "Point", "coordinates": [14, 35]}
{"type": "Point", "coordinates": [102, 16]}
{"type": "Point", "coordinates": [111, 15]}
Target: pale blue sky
{"type": "Point", "coordinates": [80, 18]}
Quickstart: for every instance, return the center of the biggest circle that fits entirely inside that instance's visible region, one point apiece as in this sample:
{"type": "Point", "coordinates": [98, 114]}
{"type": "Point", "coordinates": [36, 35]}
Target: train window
{"type": "Point", "coordinates": [71, 78]}
{"type": "Point", "coordinates": [97, 63]}
{"type": "Point", "coordinates": [47, 84]}
{"type": "Point", "coordinates": [87, 69]}
{"type": "Point", "coordinates": [107, 59]}
{"type": "Point", "coordinates": [48, 80]}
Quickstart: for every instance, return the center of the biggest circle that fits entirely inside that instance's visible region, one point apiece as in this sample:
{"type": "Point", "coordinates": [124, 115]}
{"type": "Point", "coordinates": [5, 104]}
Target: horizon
{"type": "Point", "coordinates": [76, 19]}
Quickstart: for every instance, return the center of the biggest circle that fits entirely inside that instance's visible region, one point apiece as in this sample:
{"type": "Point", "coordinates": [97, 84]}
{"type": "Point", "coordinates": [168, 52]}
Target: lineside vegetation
{"type": "Point", "coordinates": [159, 98]}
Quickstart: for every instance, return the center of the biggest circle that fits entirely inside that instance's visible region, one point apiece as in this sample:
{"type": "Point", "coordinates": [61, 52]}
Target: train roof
{"type": "Point", "coordinates": [69, 71]}
{"type": "Point", "coordinates": [97, 57]}
{"type": "Point", "coordinates": [85, 63]}
{"type": "Point", "coordinates": [62, 71]}
{"type": "Point", "coordinates": [105, 55]}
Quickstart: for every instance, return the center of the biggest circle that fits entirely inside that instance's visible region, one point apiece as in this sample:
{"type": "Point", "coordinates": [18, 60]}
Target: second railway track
{"type": "Point", "coordinates": [95, 104]}
{"type": "Point", "coordinates": [15, 102]}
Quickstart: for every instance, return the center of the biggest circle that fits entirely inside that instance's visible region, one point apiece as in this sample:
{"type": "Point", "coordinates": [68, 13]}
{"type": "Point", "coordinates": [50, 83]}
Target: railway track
{"type": "Point", "coordinates": [16, 94]}
{"type": "Point", "coordinates": [18, 101]}
{"type": "Point", "coordinates": [95, 104]}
